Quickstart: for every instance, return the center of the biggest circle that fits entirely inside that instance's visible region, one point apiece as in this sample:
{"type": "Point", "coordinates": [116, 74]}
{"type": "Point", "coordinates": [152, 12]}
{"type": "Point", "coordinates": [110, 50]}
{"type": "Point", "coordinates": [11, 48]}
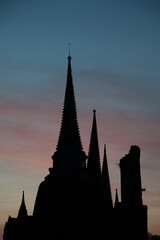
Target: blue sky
{"type": "Point", "coordinates": [115, 60]}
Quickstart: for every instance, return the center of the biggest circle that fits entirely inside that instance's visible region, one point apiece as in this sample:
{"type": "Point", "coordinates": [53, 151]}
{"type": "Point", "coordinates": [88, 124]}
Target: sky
{"type": "Point", "coordinates": [115, 52]}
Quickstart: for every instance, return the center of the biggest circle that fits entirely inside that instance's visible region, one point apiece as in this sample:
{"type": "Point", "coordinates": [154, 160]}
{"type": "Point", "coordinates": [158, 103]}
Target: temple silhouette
{"type": "Point", "coordinates": [74, 201]}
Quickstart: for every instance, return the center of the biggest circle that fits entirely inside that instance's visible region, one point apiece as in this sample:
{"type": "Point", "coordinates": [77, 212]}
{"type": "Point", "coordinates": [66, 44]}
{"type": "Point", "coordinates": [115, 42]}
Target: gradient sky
{"type": "Point", "coordinates": [115, 49]}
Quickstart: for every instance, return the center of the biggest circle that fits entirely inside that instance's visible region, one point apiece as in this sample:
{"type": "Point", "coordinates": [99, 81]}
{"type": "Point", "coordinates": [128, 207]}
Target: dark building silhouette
{"type": "Point", "coordinates": [74, 201]}
{"type": "Point", "coordinates": [132, 209]}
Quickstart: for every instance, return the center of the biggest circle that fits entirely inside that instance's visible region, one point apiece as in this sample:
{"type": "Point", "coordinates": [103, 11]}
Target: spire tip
{"type": "Point", "coordinates": [69, 57]}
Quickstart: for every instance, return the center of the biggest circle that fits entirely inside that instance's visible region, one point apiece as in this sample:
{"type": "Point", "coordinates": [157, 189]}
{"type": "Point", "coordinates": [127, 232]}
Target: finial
{"type": "Point", "coordinates": [105, 148]}
{"type": "Point", "coordinates": [69, 49]}
{"type": "Point", "coordinates": [23, 196]}
{"type": "Point", "coordinates": [69, 57]}
{"type": "Point", "coordinates": [94, 114]}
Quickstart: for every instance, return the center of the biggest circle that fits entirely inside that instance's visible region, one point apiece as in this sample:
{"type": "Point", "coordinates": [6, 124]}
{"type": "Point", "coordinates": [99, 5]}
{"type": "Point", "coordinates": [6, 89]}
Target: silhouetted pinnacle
{"type": "Point", "coordinates": [106, 180]}
{"type": "Point", "coordinates": [22, 211]}
{"type": "Point", "coordinates": [93, 166]}
{"type": "Point", "coordinates": [69, 143]}
{"type": "Point", "coordinates": [116, 198]}
{"type": "Point", "coordinates": [69, 134]}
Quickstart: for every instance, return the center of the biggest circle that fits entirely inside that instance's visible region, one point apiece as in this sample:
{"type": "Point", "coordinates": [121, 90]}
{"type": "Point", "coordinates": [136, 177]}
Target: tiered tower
{"type": "Point", "coordinates": [70, 195]}
{"type": "Point", "coordinates": [69, 152]}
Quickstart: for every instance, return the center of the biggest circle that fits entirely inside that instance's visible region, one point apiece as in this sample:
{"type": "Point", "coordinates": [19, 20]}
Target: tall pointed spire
{"type": "Point", "coordinates": [93, 166]}
{"type": "Point", "coordinates": [69, 148]}
{"type": "Point", "coordinates": [106, 181]}
{"type": "Point", "coordinates": [22, 210]}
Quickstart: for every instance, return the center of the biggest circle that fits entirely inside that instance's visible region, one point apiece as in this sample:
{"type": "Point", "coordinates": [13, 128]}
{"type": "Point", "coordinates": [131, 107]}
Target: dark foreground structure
{"type": "Point", "coordinates": [74, 201]}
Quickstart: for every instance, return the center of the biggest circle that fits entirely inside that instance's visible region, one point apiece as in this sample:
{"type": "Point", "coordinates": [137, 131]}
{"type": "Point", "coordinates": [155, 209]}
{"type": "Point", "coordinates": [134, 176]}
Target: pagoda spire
{"type": "Point", "coordinates": [69, 148]}
{"type": "Point", "coordinates": [106, 181]}
{"type": "Point", "coordinates": [22, 210]}
{"type": "Point", "coordinates": [94, 168]}
{"type": "Point", "coordinates": [116, 199]}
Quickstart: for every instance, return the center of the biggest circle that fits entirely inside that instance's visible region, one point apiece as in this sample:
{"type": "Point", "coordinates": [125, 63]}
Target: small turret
{"type": "Point", "coordinates": [116, 199]}
{"type": "Point", "coordinates": [22, 210]}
